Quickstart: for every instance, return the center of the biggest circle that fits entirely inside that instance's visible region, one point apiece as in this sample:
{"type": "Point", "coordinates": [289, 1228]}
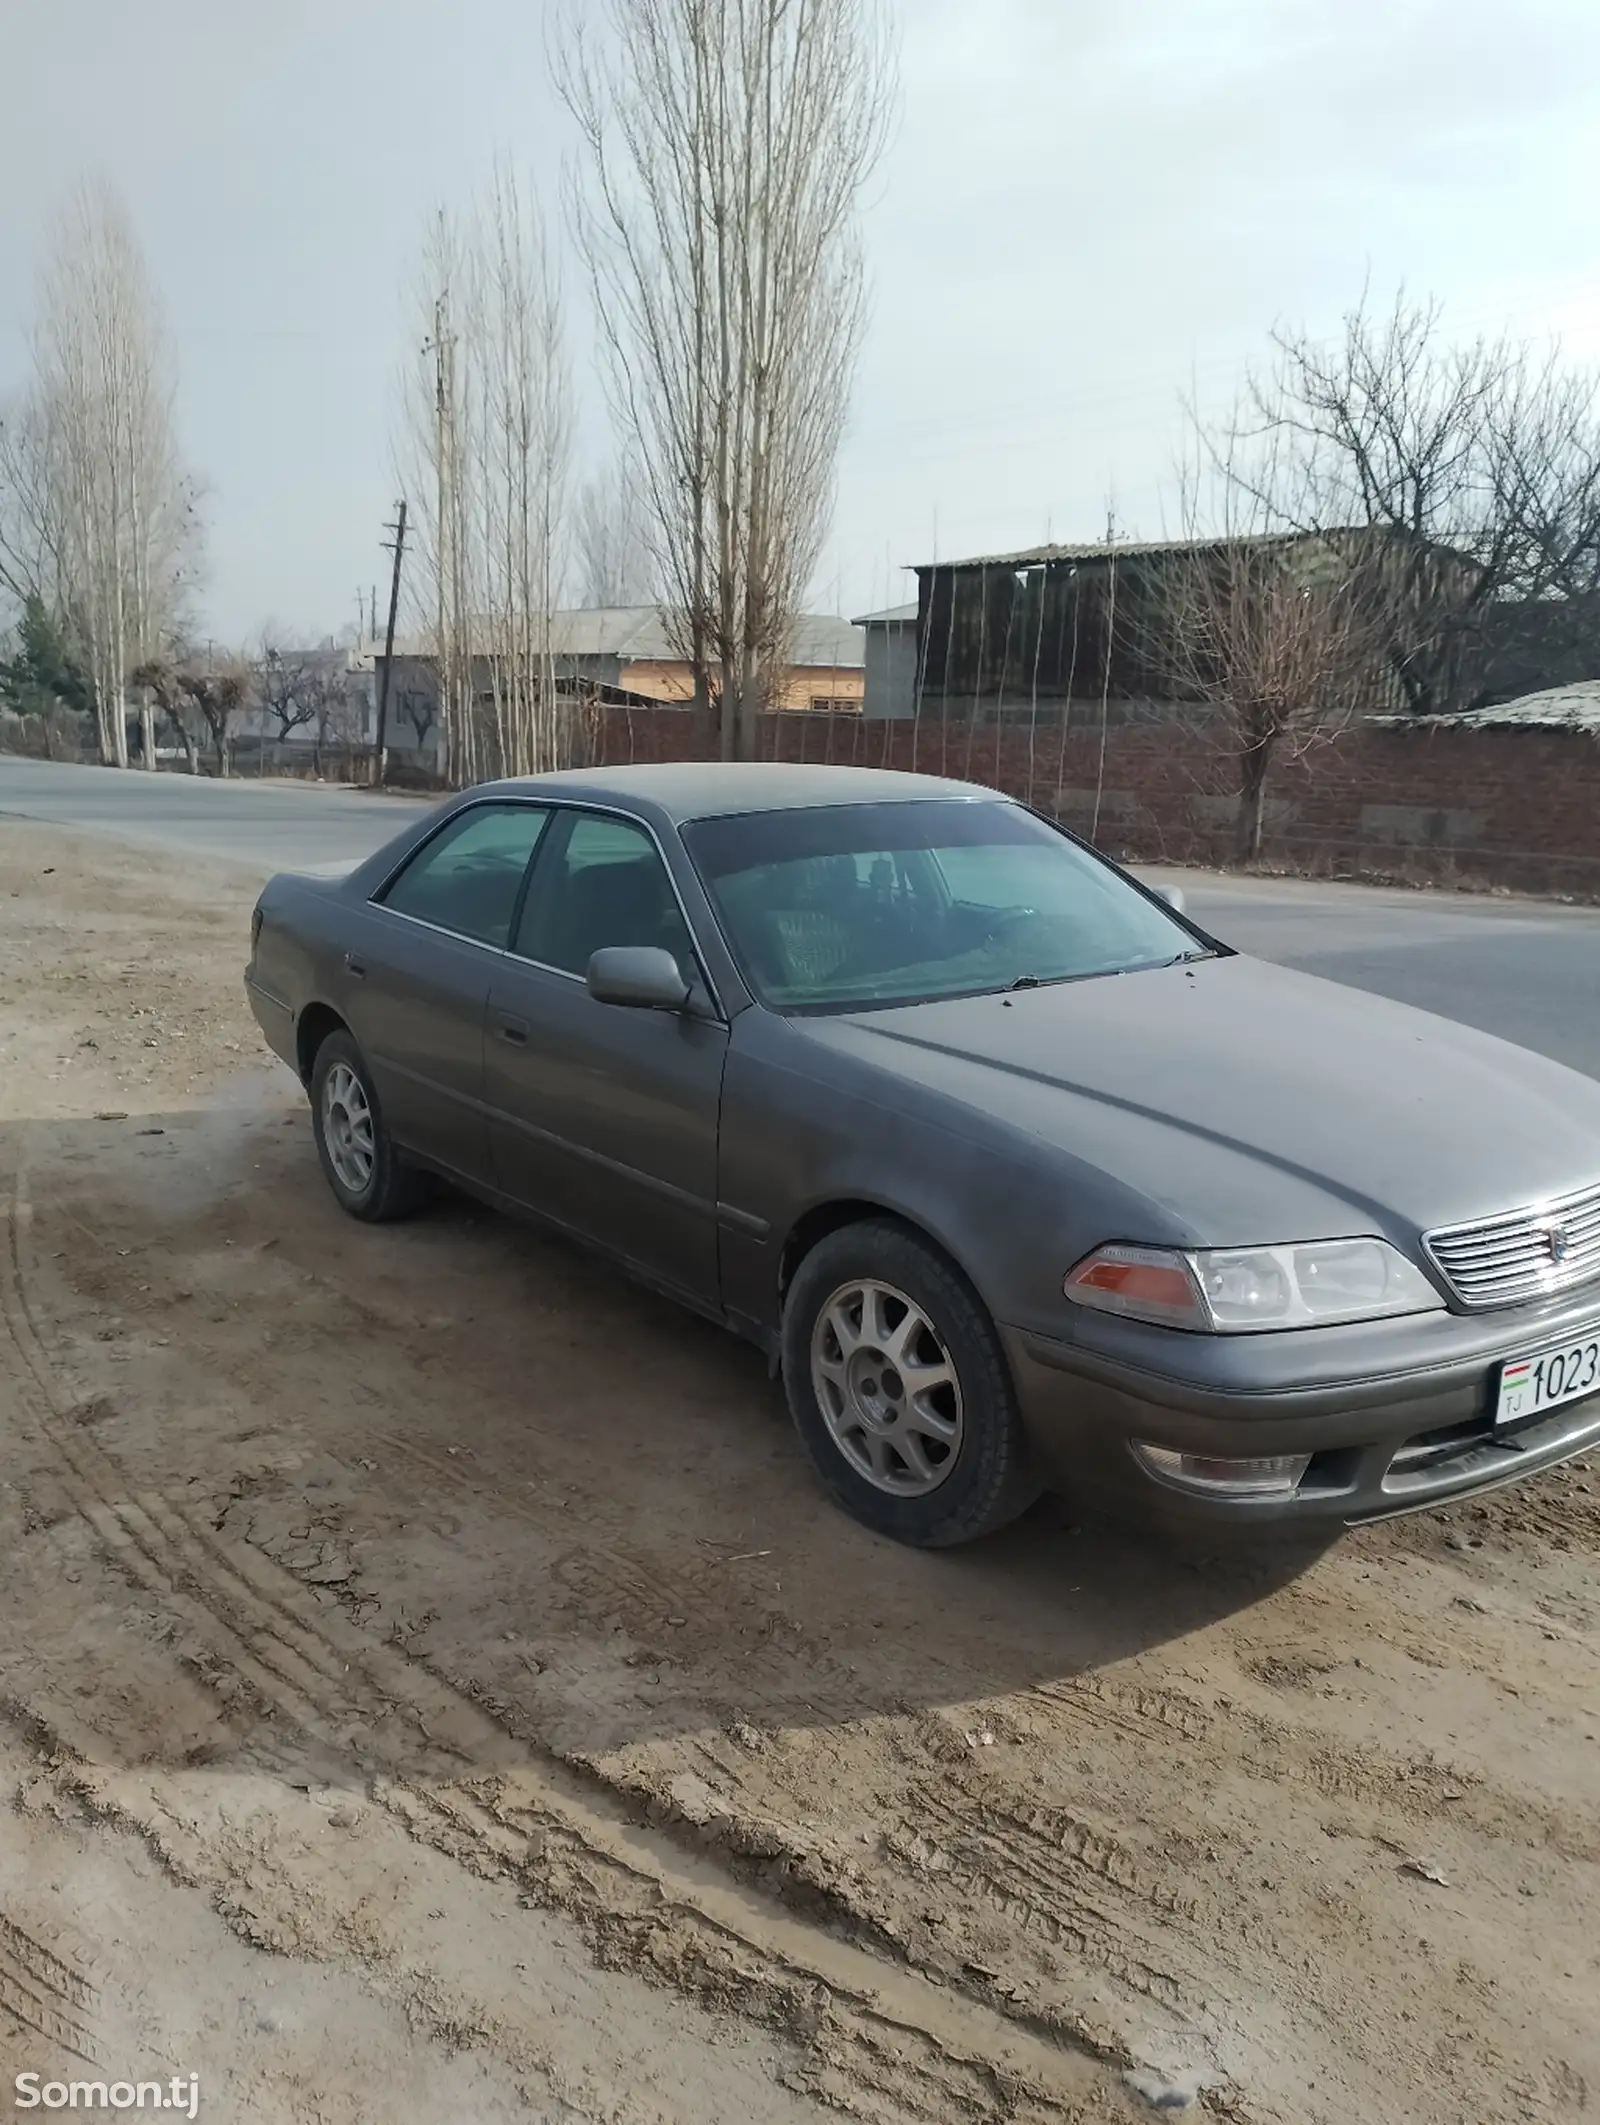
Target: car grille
{"type": "Point", "coordinates": [1523, 1254]}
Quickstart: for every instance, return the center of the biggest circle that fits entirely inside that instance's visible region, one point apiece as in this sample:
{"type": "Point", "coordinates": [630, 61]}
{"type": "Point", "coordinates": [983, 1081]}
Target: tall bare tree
{"type": "Point", "coordinates": [613, 555]}
{"type": "Point", "coordinates": [489, 431]}
{"type": "Point", "coordinates": [725, 144]}
{"type": "Point", "coordinates": [520, 429]}
{"type": "Point", "coordinates": [433, 470]}
{"type": "Point", "coordinates": [117, 510]}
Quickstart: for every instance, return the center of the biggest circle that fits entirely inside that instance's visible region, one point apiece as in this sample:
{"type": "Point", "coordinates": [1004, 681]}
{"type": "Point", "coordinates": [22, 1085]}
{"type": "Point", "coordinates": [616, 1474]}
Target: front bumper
{"type": "Point", "coordinates": [1386, 1439]}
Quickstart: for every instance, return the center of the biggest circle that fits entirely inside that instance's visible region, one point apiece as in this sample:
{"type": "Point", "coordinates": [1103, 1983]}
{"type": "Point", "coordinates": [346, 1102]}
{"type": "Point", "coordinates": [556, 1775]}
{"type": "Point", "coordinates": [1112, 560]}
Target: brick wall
{"type": "Point", "coordinates": [1518, 808]}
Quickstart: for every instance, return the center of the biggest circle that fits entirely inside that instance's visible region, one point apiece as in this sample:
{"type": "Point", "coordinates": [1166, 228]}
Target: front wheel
{"type": "Point", "coordinates": [900, 1390]}
{"type": "Point", "coordinates": [368, 1176]}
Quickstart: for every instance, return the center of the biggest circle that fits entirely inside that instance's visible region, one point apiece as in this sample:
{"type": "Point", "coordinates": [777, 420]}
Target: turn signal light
{"type": "Point", "coordinates": [1146, 1283]}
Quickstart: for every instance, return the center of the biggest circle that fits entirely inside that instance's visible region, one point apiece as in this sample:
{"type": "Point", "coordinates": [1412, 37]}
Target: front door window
{"type": "Point", "coordinates": [608, 886]}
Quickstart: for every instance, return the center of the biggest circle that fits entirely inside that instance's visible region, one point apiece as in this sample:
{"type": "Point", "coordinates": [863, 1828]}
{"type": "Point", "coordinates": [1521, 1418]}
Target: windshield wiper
{"type": "Point", "coordinates": [1041, 981]}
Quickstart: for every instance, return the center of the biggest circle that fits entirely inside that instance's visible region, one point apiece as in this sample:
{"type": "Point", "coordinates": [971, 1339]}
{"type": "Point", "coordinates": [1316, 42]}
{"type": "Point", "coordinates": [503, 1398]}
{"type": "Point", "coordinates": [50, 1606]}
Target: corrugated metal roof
{"type": "Point", "coordinates": [896, 616]}
{"type": "Point", "coordinates": [1574, 708]}
{"type": "Point", "coordinates": [1124, 549]}
{"type": "Point", "coordinates": [823, 640]}
{"type": "Point", "coordinates": [632, 632]}
{"type": "Point", "coordinates": [637, 635]}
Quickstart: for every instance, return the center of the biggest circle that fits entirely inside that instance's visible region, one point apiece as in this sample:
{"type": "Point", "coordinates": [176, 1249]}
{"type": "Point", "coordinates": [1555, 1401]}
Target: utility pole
{"type": "Point", "coordinates": [454, 701]}
{"type": "Point", "coordinates": [380, 751]}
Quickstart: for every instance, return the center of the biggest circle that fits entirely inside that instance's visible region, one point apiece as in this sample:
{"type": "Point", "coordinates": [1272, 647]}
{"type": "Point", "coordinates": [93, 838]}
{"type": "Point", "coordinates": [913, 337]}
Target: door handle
{"type": "Point", "coordinates": [513, 1030]}
{"type": "Point", "coordinates": [355, 966]}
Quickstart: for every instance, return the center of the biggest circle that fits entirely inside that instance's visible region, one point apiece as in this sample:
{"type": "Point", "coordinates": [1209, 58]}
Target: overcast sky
{"type": "Point", "coordinates": [1088, 206]}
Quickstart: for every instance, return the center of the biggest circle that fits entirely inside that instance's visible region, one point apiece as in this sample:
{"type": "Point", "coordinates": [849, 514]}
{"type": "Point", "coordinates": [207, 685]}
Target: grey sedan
{"type": "Point", "coordinates": [1019, 1178]}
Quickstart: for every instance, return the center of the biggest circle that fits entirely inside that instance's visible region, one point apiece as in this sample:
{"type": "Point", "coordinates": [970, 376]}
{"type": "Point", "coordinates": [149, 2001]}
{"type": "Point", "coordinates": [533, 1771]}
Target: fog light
{"type": "Point", "coordinates": [1277, 1476]}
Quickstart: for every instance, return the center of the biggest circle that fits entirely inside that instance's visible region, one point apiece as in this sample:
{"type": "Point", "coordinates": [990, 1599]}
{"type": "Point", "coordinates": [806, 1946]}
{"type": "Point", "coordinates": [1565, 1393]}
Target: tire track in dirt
{"type": "Point", "coordinates": [458, 1781]}
{"type": "Point", "coordinates": [1070, 1882]}
{"type": "Point", "coordinates": [656, 1601]}
{"type": "Point", "coordinates": [1279, 1752]}
{"type": "Point", "coordinates": [1128, 1711]}
{"type": "Point", "coordinates": [45, 1994]}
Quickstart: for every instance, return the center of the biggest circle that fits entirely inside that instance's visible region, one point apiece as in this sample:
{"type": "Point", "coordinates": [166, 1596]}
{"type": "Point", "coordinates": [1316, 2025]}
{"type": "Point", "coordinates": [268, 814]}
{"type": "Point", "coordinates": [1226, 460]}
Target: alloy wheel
{"type": "Point", "coordinates": [347, 1128]}
{"type": "Point", "coordinates": [887, 1388]}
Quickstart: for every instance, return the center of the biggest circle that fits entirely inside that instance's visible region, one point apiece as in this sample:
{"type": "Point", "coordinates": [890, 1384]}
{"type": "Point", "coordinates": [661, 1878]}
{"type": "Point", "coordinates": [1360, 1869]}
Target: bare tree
{"type": "Point", "coordinates": [519, 420]}
{"type": "Point", "coordinates": [419, 707]}
{"type": "Point", "coordinates": [310, 690]}
{"type": "Point", "coordinates": [159, 678]}
{"type": "Point", "coordinates": [1482, 459]}
{"type": "Point", "coordinates": [726, 143]}
{"type": "Point", "coordinates": [432, 466]}
{"type": "Point", "coordinates": [286, 685]}
{"type": "Point", "coordinates": [614, 564]}
{"type": "Point", "coordinates": [220, 694]}
{"type": "Point", "coordinates": [118, 513]}
{"type": "Point", "coordinates": [211, 695]}
{"type": "Point", "coordinates": [1280, 635]}
{"type": "Point", "coordinates": [489, 430]}
{"type": "Point", "coordinates": [339, 725]}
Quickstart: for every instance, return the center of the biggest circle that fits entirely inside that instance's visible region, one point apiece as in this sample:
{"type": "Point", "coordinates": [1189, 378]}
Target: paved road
{"type": "Point", "coordinates": [1529, 970]}
{"type": "Point", "coordinates": [280, 825]}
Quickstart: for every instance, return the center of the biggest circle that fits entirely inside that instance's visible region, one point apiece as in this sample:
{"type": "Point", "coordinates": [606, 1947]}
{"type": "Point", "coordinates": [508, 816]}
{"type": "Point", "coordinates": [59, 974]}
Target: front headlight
{"type": "Point", "coordinates": [1234, 1290]}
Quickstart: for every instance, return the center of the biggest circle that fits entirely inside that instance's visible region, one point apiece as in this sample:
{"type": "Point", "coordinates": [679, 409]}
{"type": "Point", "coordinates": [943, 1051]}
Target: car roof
{"type": "Point", "coordinates": [707, 789]}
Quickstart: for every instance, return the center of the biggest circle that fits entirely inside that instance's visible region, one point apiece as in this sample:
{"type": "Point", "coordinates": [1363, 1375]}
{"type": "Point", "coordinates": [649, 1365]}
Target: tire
{"type": "Point", "coordinates": [342, 1093]}
{"type": "Point", "coordinates": [932, 1464]}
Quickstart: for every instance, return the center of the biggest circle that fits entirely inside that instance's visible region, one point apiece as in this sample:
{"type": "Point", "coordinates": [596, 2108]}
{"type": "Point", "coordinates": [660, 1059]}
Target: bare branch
{"type": "Point", "coordinates": [191, 692]}
{"type": "Point", "coordinates": [614, 561]}
{"type": "Point", "coordinates": [489, 419]}
{"type": "Point", "coordinates": [112, 514]}
{"type": "Point", "coordinates": [725, 145]}
{"type": "Point", "coordinates": [1480, 461]}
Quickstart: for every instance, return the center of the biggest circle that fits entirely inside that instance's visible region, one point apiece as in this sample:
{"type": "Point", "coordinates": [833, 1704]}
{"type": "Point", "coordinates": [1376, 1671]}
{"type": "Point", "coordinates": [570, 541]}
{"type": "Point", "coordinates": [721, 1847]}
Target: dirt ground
{"type": "Point", "coordinates": [432, 1687]}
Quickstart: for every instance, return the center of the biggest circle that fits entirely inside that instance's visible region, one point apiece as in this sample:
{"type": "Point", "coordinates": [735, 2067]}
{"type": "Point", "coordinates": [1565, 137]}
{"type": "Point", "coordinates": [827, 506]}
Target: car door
{"type": "Point", "coordinates": [603, 1118]}
{"type": "Point", "coordinates": [418, 968]}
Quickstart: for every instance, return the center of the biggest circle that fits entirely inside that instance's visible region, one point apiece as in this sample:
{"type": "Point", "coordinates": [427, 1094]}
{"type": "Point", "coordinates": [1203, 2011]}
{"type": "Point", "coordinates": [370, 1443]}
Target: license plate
{"type": "Point", "coordinates": [1528, 1385]}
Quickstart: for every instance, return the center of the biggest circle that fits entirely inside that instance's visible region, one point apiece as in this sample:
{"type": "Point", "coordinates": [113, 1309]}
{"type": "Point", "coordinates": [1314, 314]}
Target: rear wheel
{"type": "Point", "coordinates": [900, 1390]}
{"type": "Point", "coordinates": [368, 1176]}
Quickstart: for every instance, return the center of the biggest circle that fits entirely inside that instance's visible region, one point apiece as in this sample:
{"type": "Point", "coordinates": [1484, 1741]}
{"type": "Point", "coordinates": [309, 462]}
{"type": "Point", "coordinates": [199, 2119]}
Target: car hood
{"type": "Point", "coordinates": [1246, 1103]}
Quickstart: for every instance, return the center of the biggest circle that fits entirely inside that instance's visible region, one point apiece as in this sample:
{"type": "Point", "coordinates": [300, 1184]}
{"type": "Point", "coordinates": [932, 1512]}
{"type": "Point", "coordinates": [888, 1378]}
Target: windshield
{"type": "Point", "coordinates": [904, 903]}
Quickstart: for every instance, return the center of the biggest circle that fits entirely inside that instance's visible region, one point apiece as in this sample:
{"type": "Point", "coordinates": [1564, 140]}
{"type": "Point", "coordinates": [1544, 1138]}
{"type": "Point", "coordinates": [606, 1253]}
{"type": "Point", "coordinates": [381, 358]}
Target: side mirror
{"type": "Point", "coordinates": [1173, 896]}
{"type": "Point", "coordinates": [639, 977]}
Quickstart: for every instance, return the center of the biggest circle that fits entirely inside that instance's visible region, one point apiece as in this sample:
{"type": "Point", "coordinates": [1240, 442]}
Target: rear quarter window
{"type": "Point", "coordinates": [468, 878]}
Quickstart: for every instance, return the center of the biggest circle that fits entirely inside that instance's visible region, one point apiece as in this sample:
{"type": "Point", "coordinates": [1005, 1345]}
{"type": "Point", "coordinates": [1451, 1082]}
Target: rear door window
{"type": "Point", "coordinates": [468, 878]}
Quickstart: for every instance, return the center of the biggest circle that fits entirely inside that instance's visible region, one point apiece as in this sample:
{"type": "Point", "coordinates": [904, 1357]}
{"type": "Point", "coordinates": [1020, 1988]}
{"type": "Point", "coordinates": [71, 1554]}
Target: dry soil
{"type": "Point", "coordinates": [431, 1686]}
